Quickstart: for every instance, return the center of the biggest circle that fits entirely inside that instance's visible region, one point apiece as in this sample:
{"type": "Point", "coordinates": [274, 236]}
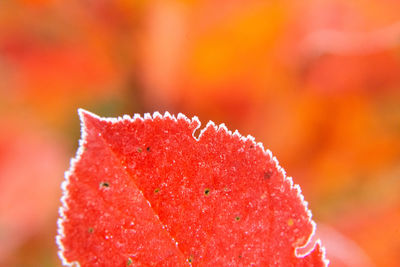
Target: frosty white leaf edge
{"type": "Point", "coordinates": [180, 116]}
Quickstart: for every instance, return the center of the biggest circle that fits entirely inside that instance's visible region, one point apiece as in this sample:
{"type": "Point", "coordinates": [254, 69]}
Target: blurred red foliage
{"type": "Point", "coordinates": [31, 162]}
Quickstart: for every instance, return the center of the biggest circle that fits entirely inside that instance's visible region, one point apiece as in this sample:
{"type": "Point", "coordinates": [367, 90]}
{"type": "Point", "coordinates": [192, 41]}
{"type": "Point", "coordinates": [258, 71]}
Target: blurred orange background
{"type": "Point", "coordinates": [318, 82]}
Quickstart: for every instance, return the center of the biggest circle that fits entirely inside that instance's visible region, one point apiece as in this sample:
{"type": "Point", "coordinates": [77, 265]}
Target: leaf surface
{"type": "Point", "coordinates": [147, 192]}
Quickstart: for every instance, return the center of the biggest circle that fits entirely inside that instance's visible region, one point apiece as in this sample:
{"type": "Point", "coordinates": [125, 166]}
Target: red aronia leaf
{"type": "Point", "coordinates": [148, 192]}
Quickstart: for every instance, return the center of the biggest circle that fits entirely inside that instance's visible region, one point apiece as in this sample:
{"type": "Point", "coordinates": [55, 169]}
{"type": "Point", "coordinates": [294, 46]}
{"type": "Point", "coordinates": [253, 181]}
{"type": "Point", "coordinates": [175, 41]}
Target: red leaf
{"type": "Point", "coordinates": [147, 192]}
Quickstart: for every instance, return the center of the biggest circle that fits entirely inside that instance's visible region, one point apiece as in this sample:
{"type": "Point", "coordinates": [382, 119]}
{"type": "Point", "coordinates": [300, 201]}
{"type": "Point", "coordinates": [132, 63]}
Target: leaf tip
{"type": "Point", "coordinates": [85, 115]}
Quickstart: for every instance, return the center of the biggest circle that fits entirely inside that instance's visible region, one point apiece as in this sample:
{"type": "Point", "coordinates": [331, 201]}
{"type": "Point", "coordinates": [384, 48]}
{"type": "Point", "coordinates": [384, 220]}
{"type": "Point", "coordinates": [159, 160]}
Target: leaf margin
{"type": "Point", "coordinates": [220, 127]}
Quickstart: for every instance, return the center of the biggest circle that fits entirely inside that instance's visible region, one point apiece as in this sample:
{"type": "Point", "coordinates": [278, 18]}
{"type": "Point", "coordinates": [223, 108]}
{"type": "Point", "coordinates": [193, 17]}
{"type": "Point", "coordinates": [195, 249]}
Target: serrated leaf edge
{"type": "Point", "coordinates": [180, 116]}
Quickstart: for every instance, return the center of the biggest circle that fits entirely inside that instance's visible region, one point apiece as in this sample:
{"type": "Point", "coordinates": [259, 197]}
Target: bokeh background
{"type": "Point", "coordinates": [317, 81]}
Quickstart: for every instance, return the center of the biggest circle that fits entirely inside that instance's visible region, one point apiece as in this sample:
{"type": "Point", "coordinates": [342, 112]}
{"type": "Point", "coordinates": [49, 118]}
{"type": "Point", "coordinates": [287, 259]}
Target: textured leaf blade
{"type": "Point", "coordinates": [219, 199]}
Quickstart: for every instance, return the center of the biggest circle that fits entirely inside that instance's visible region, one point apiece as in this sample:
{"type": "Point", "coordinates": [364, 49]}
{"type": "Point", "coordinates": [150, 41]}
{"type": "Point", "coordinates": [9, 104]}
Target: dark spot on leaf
{"type": "Point", "coordinates": [105, 184]}
{"type": "Point", "coordinates": [190, 259]}
{"type": "Point", "coordinates": [129, 262]}
{"type": "Point", "coordinates": [251, 146]}
{"type": "Point", "coordinates": [156, 190]}
{"type": "Point", "coordinates": [237, 218]}
{"type": "Point", "coordinates": [139, 149]}
{"type": "Point", "coordinates": [148, 149]}
{"type": "Point", "coordinates": [91, 230]}
{"type": "Point", "coordinates": [267, 175]}
{"type": "Point", "coordinates": [207, 191]}
{"type": "Point", "coordinates": [240, 256]}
